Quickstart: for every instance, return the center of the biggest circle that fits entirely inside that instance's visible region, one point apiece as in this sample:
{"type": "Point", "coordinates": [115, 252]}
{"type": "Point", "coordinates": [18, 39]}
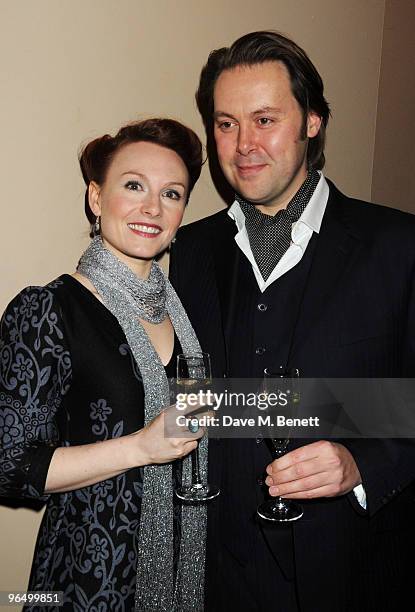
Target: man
{"type": "Point", "coordinates": [297, 275]}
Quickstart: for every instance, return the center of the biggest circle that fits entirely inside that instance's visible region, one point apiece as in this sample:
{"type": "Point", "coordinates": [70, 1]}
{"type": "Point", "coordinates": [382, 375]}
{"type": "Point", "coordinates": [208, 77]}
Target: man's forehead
{"type": "Point", "coordinates": [259, 86]}
{"type": "Point", "coordinates": [255, 71]}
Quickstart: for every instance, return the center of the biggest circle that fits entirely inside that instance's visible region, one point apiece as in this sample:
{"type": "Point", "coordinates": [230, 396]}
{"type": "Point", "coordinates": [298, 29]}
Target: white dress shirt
{"type": "Point", "coordinates": [302, 230]}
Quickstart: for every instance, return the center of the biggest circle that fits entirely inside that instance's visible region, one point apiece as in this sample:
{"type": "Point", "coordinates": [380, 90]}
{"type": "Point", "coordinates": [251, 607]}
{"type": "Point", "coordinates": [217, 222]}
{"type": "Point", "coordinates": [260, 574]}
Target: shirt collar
{"type": "Point", "coordinates": [312, 216]}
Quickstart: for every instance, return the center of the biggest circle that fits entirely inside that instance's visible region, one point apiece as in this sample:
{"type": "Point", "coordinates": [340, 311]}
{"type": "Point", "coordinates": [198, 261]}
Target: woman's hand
{"type": "Point", "coordinates": [161, 441]}
{"type": "Point", "coordinates": [165, 439]}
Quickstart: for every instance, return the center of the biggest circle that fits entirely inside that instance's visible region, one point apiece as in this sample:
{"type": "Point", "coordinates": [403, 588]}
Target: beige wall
{"type": "Point", "coordinates": [74, 69]}
{"type": "Point", "coordinates": [394, 159]}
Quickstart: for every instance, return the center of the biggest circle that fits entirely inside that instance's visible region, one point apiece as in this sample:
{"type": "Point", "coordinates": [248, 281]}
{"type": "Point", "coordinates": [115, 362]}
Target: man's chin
{"type": "Point", "coordinates": [253, 197]}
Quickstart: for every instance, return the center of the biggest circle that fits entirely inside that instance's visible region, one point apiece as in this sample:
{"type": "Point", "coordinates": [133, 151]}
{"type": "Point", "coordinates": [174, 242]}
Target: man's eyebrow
{"type": "Point", "coordinates": [260, 111]}
{"type": "Point", "coordinates": [219, 113]}
{"type": "Point", "coordinates": [266, 109]}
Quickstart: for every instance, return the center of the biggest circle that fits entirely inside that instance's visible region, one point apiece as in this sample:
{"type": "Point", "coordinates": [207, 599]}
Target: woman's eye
{"type": "Point", "coordinates": [133, 186]}
{"type": "Point", "coordinates": [172, 194]}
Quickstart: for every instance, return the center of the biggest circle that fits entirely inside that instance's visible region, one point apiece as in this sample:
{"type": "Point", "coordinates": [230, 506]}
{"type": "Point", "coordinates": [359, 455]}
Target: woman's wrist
{"type": "Point", "coordinates": [136, 456]}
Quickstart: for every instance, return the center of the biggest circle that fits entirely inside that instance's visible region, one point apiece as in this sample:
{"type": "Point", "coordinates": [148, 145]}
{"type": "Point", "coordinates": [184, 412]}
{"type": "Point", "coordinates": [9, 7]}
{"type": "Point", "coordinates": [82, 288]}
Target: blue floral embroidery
{"type": "Point", "coordinates": [23, 368]}
{"type": "Point", "coordinates": [125, 350]}
{"type": "Point", "coordinates": [87, 544]}
{"type": "Point", "coordinates": [98, 548]}
{"type": "Point", "coordinates": [100, 410]}
{"type": "Point", "coordinates": [102, 488]}
{"type": "Point", "coordinates": [11, 428]}
{"type": "Point", "coordinates": [30, 303]}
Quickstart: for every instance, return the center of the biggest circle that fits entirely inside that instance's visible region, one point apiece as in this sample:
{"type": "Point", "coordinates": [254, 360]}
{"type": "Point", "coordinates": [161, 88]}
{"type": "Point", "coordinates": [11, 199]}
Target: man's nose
{"type": "Point", "coordinates": [246, 140]}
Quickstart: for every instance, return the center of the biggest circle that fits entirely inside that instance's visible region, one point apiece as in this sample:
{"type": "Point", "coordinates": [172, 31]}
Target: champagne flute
{"type": "Point", "coordinates": [194, 370]}
{"type": "Point", "coordinates": [279, 509]}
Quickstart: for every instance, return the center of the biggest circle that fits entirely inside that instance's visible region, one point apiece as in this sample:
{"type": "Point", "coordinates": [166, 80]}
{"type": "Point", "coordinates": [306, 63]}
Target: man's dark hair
{"type": "Point", "coordinates": [257, 48]}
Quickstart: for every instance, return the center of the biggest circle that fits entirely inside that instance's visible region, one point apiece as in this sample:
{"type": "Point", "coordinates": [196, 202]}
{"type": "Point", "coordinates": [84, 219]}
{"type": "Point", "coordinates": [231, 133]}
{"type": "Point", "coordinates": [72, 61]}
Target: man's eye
{"type": "Point", "coordinates": [133, 186]}
{"type": "Point", "coordinates": [172, 194]}
{"type": "Point", "coordinates": [225, 125]}
{"type": "Point", "coordinates": [264, 121]}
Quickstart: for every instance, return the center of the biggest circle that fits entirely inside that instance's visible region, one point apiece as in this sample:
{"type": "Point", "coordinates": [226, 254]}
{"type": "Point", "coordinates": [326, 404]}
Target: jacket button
{"type": "Point", "coordinates": [260, 350]}
{"type": "Point", "coordinates": [262, 307]}
{"type": "Point", "coordinates": [260, 481]}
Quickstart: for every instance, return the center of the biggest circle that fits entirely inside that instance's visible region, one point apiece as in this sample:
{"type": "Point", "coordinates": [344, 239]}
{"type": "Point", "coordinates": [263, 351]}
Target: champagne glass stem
{"type": "Point", "coordinates": [278, 448]}
{"type": "Point", "coordinates": [196, 480]}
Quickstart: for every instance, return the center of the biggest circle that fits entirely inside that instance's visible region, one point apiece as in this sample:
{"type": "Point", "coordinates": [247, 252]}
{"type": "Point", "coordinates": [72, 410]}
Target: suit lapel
{"type": "Point", "coordinates": [337, 246]}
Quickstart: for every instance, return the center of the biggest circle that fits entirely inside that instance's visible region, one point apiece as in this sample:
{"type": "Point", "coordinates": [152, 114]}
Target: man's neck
{"type": "Point", "coordinates": [281, 202]}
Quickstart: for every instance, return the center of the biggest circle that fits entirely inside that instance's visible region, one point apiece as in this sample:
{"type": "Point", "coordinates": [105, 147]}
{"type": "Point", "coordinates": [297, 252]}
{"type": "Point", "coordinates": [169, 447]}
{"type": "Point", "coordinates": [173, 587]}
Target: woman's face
{"type": "Point", "coordinates": [141, 202]}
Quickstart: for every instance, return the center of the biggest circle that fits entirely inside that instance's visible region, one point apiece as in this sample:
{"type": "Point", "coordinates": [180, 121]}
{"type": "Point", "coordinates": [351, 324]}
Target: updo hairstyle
{"type": "Point", "coordinates": [96, 157]}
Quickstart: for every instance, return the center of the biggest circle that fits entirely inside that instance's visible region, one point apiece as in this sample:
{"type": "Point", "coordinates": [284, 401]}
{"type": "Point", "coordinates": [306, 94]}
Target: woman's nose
{"type": "Point", "coordinates": [151, 205]}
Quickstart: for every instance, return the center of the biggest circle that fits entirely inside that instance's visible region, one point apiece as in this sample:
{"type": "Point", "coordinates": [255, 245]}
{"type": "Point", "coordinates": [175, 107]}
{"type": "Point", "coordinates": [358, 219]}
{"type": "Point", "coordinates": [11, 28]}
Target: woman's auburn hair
{"type": "Point", "coordinates": [95, 157]}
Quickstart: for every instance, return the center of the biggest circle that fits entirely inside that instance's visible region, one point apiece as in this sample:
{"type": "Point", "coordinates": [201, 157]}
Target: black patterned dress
{"type": "Point", "coordinates": [68, 377]}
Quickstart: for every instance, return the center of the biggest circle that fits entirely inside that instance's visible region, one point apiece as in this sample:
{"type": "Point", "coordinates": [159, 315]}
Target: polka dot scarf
{"type": "Point", "coordinates": [270, 236]}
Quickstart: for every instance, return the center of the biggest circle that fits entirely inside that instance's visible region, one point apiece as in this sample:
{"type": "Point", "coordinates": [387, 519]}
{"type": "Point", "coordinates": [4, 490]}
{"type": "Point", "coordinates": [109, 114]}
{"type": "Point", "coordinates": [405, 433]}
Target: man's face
{"type": "Point", "coordinates": [258, 127]}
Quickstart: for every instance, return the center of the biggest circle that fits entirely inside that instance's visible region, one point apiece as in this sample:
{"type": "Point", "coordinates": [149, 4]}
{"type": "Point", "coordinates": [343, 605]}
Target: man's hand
{"type": "Point", "coordinates": [320, 469]}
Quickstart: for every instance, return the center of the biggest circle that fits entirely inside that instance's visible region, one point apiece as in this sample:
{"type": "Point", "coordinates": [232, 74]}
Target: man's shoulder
{"type": "Point", "coordinates": [205, 226]}
{"type": "Point", "coordinates": [368, 216]}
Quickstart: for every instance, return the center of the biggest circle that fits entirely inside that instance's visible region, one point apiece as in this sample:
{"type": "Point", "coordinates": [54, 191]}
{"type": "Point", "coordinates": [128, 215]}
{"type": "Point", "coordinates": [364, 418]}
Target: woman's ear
{"type": "Point", "coordinates": [94, 199]}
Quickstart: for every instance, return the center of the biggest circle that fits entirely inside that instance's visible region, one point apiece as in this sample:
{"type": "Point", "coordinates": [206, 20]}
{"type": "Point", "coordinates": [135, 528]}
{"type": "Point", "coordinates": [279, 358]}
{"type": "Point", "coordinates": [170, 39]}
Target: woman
{"type": "Point", "coordinates": [83, 378]}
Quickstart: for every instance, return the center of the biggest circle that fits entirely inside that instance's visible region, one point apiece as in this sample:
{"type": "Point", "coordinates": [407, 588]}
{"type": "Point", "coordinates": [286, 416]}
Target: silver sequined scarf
{"type": "Point", "coordinates": [158, 590]}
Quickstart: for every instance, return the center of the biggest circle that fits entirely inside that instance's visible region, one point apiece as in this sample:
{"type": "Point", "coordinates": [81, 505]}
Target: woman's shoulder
{"type": "Point", "coordinates": [34, 297]}
{"type": "Point", "coordinates": [56, 291]}
{"type": "Point", "coordinates": [63, 307]}
{"type": "Point", "coordinates": [33, 341]}
{"type": "Point", "coordinates": [39, 308]}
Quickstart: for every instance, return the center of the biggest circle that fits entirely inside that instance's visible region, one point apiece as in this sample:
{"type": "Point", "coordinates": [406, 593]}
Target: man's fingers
{"type": "Point", "coordinates": [325, 491]}
{"type": "Point", "coordinates": [332, 473]}
{"type": "Point", "coordinates": [296, 472]}
{"type": "Point", "coordinates": [290, 459]}
{"type": "Point", "coordinates": [302, 485]}
{"type": "Point", "coordinates": [315, 450]}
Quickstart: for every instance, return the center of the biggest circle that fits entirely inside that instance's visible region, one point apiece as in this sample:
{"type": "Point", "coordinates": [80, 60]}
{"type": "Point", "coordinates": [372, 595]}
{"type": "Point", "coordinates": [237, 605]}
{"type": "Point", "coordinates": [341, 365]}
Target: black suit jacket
{"type": "Point", "coordinates": [357, 319]}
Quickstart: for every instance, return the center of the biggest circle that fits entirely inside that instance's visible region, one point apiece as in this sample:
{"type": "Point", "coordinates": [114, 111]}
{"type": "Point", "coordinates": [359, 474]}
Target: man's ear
{"type": "Point", "coordinates": [94, 199]}
{"type": "Point", "coordinates": [313, 124]}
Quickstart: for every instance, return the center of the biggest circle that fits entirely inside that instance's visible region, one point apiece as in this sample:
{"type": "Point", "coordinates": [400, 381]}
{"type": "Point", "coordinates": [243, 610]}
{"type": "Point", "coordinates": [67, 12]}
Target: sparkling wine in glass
{"type": "Point", "coordinates": [279, 509]}
{"type": "Point", "coordinates": [194, 373]}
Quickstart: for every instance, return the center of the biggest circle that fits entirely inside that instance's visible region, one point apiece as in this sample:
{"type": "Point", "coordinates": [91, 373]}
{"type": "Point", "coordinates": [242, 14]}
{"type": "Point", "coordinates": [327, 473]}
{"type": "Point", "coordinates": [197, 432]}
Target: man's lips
{"type": "Point", "coordinates": [147, 230]}
{"type": "Point", "coordinates": [250, 170]}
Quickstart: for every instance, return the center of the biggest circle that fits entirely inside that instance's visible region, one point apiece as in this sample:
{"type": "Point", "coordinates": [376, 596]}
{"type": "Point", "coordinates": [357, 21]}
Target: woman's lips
{"type": "Point", "coordinates": [146, 230]}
